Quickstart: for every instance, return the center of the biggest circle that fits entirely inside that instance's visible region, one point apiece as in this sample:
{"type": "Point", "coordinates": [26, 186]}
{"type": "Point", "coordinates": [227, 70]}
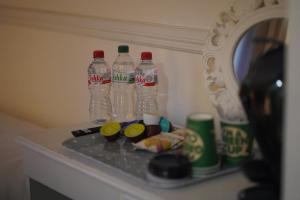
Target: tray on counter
{"type": "Point", "coordinates": [123, 157]}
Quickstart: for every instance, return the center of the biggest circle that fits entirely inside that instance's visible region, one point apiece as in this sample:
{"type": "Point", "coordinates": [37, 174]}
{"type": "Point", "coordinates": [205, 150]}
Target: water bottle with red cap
{"type": "Point", "coordinates": [99, 83]}
{"type": "Point", "coordinates": [146, 86]}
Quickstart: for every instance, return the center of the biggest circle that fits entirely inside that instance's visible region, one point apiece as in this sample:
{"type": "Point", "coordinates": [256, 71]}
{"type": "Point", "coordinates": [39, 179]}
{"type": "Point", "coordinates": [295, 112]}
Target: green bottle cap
{"type": "Point", "coordinates": [123, 49]}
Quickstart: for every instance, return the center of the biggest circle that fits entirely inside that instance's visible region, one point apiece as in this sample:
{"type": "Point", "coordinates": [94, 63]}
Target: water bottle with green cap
{"type": "Point", "coordinates": [123, 88]}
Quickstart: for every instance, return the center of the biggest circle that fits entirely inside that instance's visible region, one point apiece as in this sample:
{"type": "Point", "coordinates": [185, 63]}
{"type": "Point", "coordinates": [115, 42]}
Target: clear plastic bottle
{"type": "Point", "coordinates": [146, 86]}
{"type": "Point", "coordinates": [123, 86]}
{"type": "Point", "coordinates": [99, 83]}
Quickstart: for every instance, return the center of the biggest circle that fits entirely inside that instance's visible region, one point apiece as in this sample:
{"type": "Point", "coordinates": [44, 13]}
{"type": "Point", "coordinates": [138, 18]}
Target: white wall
{"type": "Point", "coordinates": [43, 72]}
{"type": "Point", "coordinates": [291, 165]}
{"type": "Point", "coordinates": [43, 76]}
{"type": "Point", "coordinates": [188, 13]}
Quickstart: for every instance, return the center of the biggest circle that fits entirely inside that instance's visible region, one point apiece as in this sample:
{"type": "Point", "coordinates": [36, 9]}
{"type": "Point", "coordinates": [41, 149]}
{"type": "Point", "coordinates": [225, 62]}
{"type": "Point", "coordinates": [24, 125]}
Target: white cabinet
{"type": "Point", "coordinates": [46, 161]}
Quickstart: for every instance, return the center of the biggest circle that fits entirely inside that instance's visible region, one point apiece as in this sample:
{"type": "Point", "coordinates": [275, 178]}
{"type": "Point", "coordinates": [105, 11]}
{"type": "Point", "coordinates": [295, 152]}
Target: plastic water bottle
{"type": "Point", "coordinates": [123, 86]}
{"type": "Point", "coordinates": [99, 83]}
{"type": "Point", "coordinates": [146, 85]}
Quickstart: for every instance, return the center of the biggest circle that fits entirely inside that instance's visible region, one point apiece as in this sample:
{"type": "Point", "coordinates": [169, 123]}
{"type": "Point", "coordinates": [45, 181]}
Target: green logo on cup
{"type": "Point", "coordinates": [237, 142]}
{"type": "Point", "coordinates": [194, 146]}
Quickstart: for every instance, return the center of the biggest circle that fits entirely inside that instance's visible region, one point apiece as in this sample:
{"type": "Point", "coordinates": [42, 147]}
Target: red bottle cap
{"type": "Point", "coordinates": [98, 54]}
{"type": "Point", "coordinates": [146, 56]}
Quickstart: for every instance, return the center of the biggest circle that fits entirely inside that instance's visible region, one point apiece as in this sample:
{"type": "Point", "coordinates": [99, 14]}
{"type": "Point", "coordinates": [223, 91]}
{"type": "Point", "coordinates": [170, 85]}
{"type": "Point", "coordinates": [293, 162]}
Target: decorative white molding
{"type": "Point", "coordinates": [220, 46]}
{"type": "Point", "coordinates": [177, 38]}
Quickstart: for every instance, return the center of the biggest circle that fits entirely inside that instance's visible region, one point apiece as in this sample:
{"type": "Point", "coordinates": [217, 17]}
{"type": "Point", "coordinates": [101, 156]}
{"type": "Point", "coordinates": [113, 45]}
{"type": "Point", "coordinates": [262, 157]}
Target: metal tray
{"type": "Point", "coordinates": [123, 157]}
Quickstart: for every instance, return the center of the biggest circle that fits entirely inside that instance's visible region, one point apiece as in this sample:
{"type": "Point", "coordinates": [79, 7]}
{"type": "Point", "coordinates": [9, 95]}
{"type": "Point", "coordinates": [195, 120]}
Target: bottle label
{"type": "Point", "coordinates": [120, 77]}
{"type": "Point", "coordinates": [148, 78]}
{"type": "Point", "coordinates": [100, 78]}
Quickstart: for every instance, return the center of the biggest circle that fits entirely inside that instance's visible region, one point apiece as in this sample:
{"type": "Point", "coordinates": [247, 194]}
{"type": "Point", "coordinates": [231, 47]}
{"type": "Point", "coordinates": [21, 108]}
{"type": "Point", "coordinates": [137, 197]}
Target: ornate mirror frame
{"type": "Point", "coordinates": [220, 47]}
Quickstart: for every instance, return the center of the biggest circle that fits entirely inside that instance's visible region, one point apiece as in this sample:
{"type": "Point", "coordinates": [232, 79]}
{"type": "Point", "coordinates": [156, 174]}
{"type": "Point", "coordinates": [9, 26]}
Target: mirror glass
{"type": "Point", "coordinates": [246, 49]}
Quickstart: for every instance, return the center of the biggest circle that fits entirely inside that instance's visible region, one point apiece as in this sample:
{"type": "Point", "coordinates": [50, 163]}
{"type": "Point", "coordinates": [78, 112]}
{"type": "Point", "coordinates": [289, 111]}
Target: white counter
{"type": "Point", "coordinates": [80, 178]}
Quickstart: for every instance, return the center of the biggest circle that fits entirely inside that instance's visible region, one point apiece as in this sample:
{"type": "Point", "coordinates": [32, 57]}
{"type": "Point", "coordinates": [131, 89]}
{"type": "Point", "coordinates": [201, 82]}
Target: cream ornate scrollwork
{"type": "Point", "coordinates": [218, 53]}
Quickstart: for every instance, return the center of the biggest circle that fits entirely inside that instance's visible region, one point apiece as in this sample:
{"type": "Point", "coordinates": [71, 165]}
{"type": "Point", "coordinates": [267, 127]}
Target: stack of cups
{"type": "Point", "coordinates": [238, 142]}
{"type": "Point", "coordinates": [151, 122]}
{"type": "Point", "coordinates": [200, 145]}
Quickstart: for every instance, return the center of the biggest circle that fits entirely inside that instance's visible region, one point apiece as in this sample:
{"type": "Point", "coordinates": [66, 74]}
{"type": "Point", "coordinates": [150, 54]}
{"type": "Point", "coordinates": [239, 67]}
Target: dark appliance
{"type": "Point", "coordinates": [262, 96]}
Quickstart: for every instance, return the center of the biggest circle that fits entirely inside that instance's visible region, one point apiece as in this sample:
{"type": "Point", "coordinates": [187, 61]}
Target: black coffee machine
{"type": "Point", "coordinates": [262, 95]}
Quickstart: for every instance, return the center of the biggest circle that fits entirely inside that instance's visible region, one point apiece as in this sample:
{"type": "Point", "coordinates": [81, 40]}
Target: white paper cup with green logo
{"type": "Point", "coordinates": [200, 145]}
{"type": "Point", "coordinates": [238, 142]}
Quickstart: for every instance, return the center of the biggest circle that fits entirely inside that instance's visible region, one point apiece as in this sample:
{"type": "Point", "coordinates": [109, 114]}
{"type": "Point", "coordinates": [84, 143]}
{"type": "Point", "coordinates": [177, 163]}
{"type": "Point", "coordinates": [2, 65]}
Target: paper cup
{"type": "Point", "coordinates": [151, 119]}
{"type": "Point", "coordinates": [238, 141]}
{"type": "Point", "coordinates": [199, 144]}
